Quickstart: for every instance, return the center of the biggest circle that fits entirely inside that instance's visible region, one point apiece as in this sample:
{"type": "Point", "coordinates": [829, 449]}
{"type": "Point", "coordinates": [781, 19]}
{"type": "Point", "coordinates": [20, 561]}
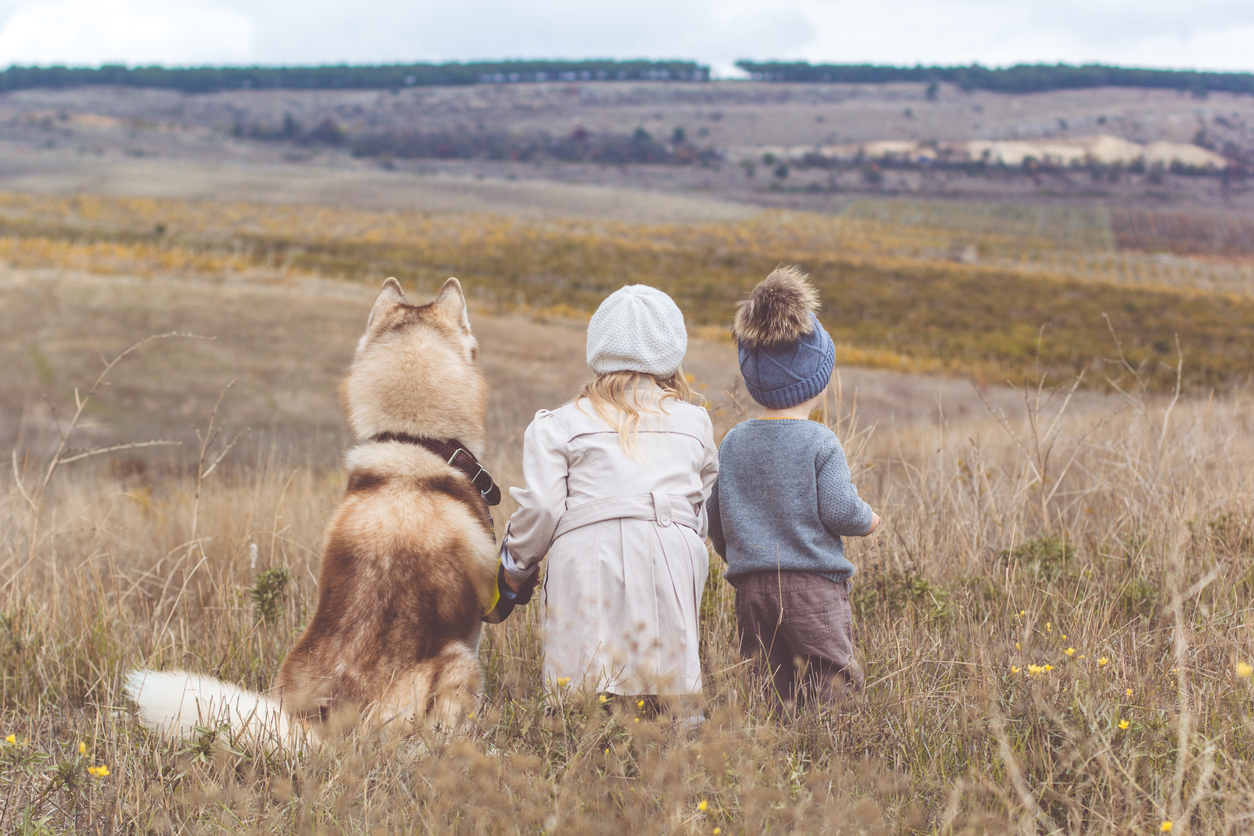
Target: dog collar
{"type": "Point", "coordinates": [456, 456]}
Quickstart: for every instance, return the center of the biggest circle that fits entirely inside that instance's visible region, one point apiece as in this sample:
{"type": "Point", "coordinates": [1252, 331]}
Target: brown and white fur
{"type": "Point", "coordinates": [409, 558]}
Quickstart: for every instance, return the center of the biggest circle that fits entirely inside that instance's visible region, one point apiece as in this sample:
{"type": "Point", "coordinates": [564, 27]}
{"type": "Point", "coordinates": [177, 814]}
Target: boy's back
{"type": "Point", "coordinates": [783, 500]}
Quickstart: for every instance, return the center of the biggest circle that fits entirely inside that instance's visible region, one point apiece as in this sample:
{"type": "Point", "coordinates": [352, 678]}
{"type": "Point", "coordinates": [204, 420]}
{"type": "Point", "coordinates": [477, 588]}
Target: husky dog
{"type": "Point", "coordinates": [409, 563]}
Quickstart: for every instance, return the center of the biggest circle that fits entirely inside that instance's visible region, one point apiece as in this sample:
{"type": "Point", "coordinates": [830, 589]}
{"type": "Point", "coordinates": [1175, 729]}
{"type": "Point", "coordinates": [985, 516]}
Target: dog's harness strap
{"type": "Point", "coordinates": [456, 456]}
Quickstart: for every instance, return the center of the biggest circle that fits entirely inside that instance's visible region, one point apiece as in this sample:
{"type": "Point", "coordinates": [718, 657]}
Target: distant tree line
{"type": "Point", "coordinates": [1022, 78]}
{"type": "Point", "coordinates": [348, 77]}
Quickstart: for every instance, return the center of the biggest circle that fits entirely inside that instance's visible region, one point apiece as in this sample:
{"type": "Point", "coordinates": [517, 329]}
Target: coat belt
{"type": "Point", "coordinates": [660, 507]}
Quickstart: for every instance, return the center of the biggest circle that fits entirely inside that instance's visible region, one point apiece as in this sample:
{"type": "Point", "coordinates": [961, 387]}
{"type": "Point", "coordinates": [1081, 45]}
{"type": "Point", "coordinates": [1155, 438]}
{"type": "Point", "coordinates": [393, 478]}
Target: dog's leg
{"type": "Point", "coordinates": [459, 688]}
{"type": "Point", "coordinates": [439, 691]}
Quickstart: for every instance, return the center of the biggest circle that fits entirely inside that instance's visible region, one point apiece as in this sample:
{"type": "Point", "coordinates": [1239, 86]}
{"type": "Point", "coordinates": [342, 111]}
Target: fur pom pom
{"type": "Point", "coordinates": [779, 310]}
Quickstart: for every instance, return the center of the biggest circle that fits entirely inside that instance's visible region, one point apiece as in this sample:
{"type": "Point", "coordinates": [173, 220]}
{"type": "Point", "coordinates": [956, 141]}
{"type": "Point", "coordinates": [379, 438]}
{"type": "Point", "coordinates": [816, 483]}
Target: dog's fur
{"type": "Point", "coordinates": [409, 558]}
{"type": "Point", "coordinates": [778, 312]}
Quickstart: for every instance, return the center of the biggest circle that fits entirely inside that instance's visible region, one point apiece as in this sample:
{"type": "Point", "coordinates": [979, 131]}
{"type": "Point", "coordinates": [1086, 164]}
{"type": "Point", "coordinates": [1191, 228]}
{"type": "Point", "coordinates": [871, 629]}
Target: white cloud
{"type": "Point", "coordinates": [1207, 34]}
{"type": "Point", "coordinates": [89, 32]}
{"type": "Point", "coordinates": [749, 31]}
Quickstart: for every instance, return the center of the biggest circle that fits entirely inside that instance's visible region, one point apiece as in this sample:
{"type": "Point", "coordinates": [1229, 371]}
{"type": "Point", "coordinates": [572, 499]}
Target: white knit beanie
{"type": "Point", "coordinates": [637, 329]}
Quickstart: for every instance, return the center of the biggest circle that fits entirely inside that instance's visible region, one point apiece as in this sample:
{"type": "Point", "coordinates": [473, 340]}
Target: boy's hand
{"type": "Point", "coordinates": [875, 523]}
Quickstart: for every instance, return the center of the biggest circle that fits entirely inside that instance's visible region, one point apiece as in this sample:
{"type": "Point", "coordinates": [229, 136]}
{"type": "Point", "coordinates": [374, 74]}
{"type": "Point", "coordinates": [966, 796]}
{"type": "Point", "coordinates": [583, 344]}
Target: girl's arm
{"type": "Point", "coordinates": [542, 502]}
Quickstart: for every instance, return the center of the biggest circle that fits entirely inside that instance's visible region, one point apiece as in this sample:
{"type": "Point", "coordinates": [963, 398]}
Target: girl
{"type": "Point", "coordinates": [616, 483]}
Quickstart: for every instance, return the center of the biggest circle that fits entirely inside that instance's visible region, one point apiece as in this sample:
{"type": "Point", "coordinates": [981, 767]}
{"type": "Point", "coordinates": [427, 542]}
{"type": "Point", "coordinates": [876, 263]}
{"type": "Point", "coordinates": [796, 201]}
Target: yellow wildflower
{"type": "Point", "coordinates": [101, 771]}
{"type": "Point", "coordinates": [604, 699]}
{"type": "Point", "coordinates": [1165, 827]}
{"type": "Point", "coordinates": [1022, 613]}
{"type": "Point", "coordinates": [640, 704]}
{"type": "Point", "coordinates": [1049, 667]}
{"type": "Point", "coordinates": [1244, 670]}
{"type": "Point", "coordinates": [1035, 670]}
{"type": "Point", "coordinates": [1070, 651]}
{"type": "Point", "coordinates": [717, 831]}
{"type": "Point", "coordinates": [1102, 662]}
{"type": "Point", "coordinates": [1123, 724]}
{"type": "Point", "coordinates": [82, 748]}
{"type": "Point", "coordinates": [563, 681]}
{"type": "Point", "coordinates": [1129, 692]}
{"type": "Point", "coordinates": [1014, 669]}
{"type": "Point", "coordinates": [636, 720]}
{"type": "Point", "coordinates": [11, 739]}
{"type": "Point", "coordinates": [1017, 646]}
{"type": "Point", "coordinates": [1049, 627]}
{"type": "Point", "coordinates": [702, 805]}
{"type": "Point", "coordinates": [1064, 636]}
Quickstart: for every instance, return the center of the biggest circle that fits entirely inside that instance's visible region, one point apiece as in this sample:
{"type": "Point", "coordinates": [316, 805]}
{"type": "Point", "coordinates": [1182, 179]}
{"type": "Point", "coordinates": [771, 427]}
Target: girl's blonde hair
{"type": "Point", "coordinates": [615, 400]}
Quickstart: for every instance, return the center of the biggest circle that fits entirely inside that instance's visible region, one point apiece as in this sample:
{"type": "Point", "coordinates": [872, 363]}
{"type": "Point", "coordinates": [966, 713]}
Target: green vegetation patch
{"type": "Point", "coordinates": [1021, 78]}
{"type": "Point", "coordinates": [349, 77]}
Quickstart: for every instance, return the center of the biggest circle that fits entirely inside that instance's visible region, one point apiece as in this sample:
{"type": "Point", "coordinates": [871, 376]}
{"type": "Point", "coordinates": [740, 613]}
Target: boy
{"type": "Point", "coordinates": [783, 500]}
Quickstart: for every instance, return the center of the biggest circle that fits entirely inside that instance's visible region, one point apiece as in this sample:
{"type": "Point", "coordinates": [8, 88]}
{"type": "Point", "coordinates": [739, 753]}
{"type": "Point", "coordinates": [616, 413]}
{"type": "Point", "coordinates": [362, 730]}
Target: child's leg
{"type": "Point", "coordinates": [758, 602]}
{"type": "Point", "coordinates": [824, 637]}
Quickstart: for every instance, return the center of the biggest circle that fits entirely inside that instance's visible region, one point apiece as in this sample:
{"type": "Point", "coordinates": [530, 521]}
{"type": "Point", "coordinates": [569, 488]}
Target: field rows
{"type": "Point", "coordinates": [1183, 233]}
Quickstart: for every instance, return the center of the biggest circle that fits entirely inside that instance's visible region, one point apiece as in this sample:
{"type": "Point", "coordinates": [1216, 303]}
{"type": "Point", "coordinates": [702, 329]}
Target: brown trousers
{"type": "Point", "coordinates": [799, 626]}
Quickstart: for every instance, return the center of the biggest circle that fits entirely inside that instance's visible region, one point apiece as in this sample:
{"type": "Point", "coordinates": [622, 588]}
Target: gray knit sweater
{"type": "Point", "coordinates": [783, 500]}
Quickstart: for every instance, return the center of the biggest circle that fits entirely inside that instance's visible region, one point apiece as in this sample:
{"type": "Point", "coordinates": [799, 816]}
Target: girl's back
{"type": "Point", "coordinates": [671, 449]}
{"type": "Point", "coordinates": [615, 503]}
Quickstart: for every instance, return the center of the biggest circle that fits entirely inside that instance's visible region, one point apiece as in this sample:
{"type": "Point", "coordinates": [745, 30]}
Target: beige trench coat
{"type": "Point", "coordinates": [625, 540]}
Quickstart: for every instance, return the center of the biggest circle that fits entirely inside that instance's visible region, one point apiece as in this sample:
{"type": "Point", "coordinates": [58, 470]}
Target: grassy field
{"type": "Point", "coordinates": [1054, 619]}
{"type": "Point", "coordinates": [1054, 624]}
{"type": "Point", "coordinates": [895, 284]}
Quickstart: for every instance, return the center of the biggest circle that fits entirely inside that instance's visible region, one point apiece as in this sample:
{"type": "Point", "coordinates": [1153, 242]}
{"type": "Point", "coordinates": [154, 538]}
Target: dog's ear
{"type": "Point", "coordinates": [452, 303]}
{"type": "Point", "coordinates": [389, 297]}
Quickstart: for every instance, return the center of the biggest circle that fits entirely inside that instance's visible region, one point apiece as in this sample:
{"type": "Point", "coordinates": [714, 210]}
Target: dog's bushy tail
{"type": "Point", "coordinates": [180, 706]}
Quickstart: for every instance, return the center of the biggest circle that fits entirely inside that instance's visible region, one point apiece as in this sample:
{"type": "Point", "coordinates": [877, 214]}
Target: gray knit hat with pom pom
{"type": "Point", "coordinates": [637, 329]}
{"type": "Point", "coordinates": [786, 357]}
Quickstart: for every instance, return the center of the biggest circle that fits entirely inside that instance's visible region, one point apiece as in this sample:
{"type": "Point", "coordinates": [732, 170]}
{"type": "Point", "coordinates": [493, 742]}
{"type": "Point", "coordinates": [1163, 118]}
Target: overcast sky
{"type": "Point", "coordinates": [1206, 34]}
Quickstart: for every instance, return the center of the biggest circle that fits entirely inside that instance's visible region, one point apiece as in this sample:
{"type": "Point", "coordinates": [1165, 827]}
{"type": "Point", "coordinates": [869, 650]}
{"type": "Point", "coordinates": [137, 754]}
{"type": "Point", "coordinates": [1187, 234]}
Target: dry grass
{"type": "Point", "coordinates": [1124, 536]}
